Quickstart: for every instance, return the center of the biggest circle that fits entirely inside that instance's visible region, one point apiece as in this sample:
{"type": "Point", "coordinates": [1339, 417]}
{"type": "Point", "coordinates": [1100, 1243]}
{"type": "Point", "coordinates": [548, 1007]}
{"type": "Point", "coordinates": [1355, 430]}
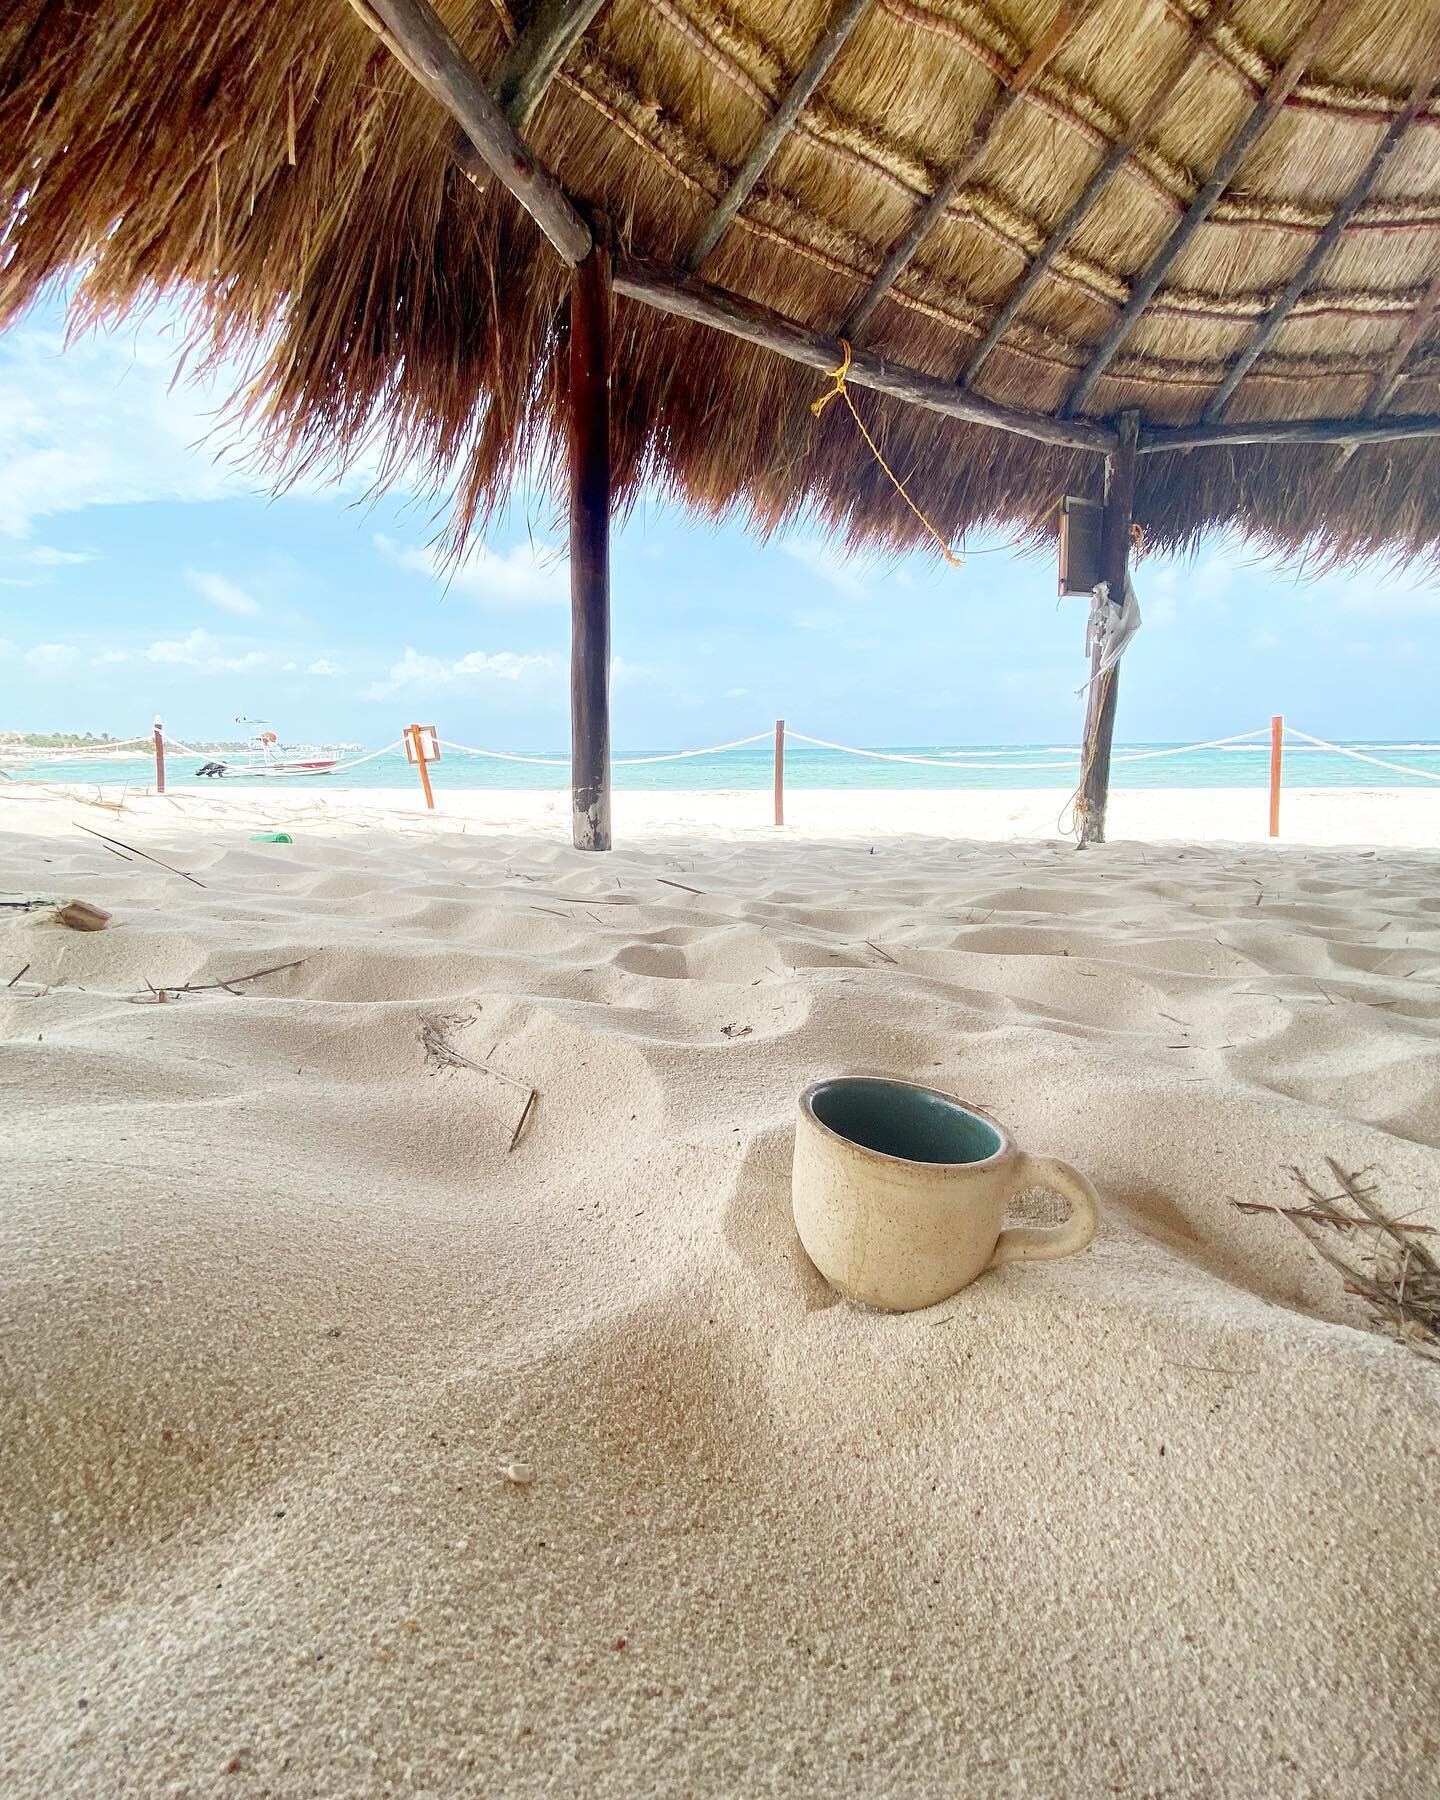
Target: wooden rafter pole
{"type": "Point", "coordinates": [415, 34]}
{"type": "Point", "coordinates": [588, 408]}
{"type": "Point", "coordinates": [1411, 333]}
{"type": "Point", "coordinates": [1327, 240]}
{"type": "Point", "coordinates": [832, 41]}
{"type": "Point", "coordinates": [1144, 121]}
{"type": "Point", "coordinates": [535, 58]}
{"type": "Point", "coordinates": [1155, 439]}
{"type": "Point", "coordinates": [1321, 22]}
{"type": "Point", "coordinates": [996, 111]}
{"type": "Point", "coordinates": [687, 297]}
{"type": "Point", "coordinates": [1105, 689]}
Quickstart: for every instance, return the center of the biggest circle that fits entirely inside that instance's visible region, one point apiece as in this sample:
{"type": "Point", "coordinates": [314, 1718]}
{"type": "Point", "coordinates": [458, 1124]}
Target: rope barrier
{"type": "Point", "coordinates": [928, 762]}
{"type": "Point", "coordinates": [1240, 737]}
{"type": "Point", "coordinates": [633, 762]}
{"type": "Point", "coordinates": [369, 756]}
{"type": "Point", "coordinates": [544, 762]}
{"type": "Point", "coordinates": [1360, 756]}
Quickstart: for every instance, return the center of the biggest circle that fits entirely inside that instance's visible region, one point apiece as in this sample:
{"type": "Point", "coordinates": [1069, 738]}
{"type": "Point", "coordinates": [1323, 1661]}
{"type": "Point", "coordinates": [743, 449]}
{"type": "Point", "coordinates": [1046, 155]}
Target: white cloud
{"type": "Point", "coordinates": [524, 575]}
{"type": "Point", "coordinates": [198, 650]}
{"type": "Point", "coordinates": [848, 574]}
{"type": "Point", "coordinates": [98, 422]}
{"type": "Point", "coordinates": [111, 656]}
{"type": "Point", "coordinates": [220, 591]}
{"type": "Point", "coordinates": [417, 674]}
{"type": "Point", "coordinates": [51, 656]}
{"type": "Point", "coordinates": [46, 556]}
{"type": "Point", "coordinates": [322, 666]}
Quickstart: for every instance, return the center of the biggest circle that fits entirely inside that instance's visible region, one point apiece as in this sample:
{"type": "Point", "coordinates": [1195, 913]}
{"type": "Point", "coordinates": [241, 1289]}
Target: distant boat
{"type": "Point", "coordinates": [264, 754]}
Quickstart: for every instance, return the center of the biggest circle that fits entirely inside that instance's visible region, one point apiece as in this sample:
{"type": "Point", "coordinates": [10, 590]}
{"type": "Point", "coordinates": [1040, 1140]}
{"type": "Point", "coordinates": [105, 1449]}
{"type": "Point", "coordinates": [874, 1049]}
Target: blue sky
{"type": "Point", "coordinates": [140, 573]}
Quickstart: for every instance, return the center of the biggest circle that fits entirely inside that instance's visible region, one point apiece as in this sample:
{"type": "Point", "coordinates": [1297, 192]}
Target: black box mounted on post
{"type": "Point", "coordinates": [1079, 545]}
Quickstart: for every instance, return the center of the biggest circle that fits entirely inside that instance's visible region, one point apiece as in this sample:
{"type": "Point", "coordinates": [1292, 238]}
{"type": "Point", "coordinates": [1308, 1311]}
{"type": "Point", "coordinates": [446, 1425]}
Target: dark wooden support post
{"type": "Point", "coordinates": [1105, 690]}
{"type": "Point", "coordinates": [159, 756]}
{"type": "Point", "coordinates": [589, 423]}
{"type": "Point", "coordinates": [779, 771]}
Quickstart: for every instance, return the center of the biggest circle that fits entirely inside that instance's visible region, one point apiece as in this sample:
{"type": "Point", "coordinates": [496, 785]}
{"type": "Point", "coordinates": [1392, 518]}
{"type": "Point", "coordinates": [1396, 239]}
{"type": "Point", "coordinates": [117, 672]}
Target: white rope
{"type": "Point", "coordinates": [1185, 749]}
{"type": "Point", "coordinates": [631, 762]}
{"type": "Point", "coordinates": [620, 762]}
{"type": "Point", "coordinates": [74, 752]}
{"type": "Point", "coordinates": [929, 762]}
{"type": "Point", "coordinates": [544, 762]}
{"type": "Point", "coordinates": [369, 756]}
{"type": "Point", "coordinates": [1360, 756]}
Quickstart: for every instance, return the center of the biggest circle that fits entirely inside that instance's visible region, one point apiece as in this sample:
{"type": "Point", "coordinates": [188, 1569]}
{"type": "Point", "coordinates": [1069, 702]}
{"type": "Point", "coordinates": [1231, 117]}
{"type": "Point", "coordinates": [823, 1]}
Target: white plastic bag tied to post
{"type": "Point", "coordinates": [1110, 628]}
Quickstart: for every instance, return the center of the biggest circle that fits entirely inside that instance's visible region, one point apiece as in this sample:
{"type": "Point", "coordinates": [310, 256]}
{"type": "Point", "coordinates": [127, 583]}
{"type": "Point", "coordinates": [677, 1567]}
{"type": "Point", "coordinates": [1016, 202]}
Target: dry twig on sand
{"type": "Point", "coordinates": [154, 996]}
{"type": "Point", "coordinates": [439, 1049]}
{"type": "Point", "coordinates": [1393, 1272]}
{"type": "Point", "coordinates": [134, 852]}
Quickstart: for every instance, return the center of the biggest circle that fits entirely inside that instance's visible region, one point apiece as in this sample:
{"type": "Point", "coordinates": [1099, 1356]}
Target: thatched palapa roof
{"type": "Point", "coordinates": [1206, 211]}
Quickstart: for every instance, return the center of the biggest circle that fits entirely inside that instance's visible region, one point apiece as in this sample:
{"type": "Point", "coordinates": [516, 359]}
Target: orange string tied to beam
{"type": "Point", "coordinates": [818, 406]}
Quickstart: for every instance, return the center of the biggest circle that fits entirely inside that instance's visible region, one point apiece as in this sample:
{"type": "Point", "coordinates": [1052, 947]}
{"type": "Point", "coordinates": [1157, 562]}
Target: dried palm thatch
{"type": "Point", "coordinates": [280, 168]}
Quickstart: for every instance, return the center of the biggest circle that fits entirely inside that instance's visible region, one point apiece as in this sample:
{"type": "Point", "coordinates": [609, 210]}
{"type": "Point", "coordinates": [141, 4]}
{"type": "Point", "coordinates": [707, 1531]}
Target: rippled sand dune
{"type": "Point", "coordinates": [279, 1305]}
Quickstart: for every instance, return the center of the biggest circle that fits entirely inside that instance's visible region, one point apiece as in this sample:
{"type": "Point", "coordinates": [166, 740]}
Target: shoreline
{"type": "Point", "coordinates": [1378, 817]}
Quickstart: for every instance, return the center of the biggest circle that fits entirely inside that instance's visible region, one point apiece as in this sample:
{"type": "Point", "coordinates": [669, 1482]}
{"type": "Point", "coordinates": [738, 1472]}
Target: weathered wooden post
{"type": "Point", "coordinates": [589, 422]}
{"type": "Point", "coordinates": [159, 756]}
{"type": "Point", "coordinates": [779, 771]}
{"type": "Point", "coordinates": [1277, 754]}
{"type": "Point", "coordinates": [419, 741]}
{"type": "Point", "coordinates": [1104, 690]}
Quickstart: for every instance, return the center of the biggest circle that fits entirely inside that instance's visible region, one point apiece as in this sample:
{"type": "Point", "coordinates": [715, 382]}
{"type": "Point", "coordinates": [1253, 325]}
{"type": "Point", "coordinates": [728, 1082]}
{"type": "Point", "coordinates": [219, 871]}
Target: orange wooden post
{"type": "Point", "coordinates": [159, 756]}
{"type": "Point", "coordinates": [417, 746]}
{"type": "Point", "coordinates": [1277, 749]}
{"type": "Point", "coordinates": [779, 771]}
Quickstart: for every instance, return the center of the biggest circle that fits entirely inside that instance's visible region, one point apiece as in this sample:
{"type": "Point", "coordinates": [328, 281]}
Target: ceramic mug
{"type": "Point", "coordinates": [900, 1192]}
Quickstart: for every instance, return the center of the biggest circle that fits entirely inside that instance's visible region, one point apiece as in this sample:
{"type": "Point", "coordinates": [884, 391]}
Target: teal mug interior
{"type": "Point", "coordinates": [895, 1118]}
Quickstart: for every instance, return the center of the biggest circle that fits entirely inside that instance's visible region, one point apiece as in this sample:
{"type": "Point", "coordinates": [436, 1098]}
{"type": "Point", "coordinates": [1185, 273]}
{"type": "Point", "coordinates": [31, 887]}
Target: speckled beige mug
{"type": "Point", "coordinates": [900, 1192]}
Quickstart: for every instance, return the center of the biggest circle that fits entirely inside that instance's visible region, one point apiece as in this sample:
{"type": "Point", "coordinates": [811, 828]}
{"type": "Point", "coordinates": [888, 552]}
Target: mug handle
{"type": "Point", "coordinates": [1030, 1243]}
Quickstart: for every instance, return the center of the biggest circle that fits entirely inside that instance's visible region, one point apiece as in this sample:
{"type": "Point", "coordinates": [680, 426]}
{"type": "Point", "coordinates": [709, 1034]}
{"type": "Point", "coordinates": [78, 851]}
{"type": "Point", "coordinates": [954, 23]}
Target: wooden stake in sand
{"type": "Point", "coordinates": [422, 747]}
{"type": "Point", "coordinates": [1277, 752]}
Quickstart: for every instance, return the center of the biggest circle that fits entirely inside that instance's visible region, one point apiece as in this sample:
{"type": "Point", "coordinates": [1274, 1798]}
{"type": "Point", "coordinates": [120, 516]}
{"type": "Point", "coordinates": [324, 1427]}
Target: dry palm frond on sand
{"type": "Point", "coordinates": [1392, 1269]}
{"type": "Point", "coordinates": [440, 1051]}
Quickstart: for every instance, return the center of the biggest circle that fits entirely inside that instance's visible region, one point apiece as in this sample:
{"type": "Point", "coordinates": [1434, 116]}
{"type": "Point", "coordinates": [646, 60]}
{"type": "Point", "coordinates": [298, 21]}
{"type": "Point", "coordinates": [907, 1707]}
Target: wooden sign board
{"type": "Point", "coordinates": [1079, 545]}
{"type": "Point", "coordinates": [429, 743]}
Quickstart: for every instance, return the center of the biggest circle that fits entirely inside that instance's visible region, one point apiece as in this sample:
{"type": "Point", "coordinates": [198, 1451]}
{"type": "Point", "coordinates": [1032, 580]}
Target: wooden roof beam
{"type": "Point", "coordinates": [1322, 21]}
{"type": "Point", "coordinates": [535, 58]}
{"type": "Point", "coordinates": [1120, 153]}
{"type": "Point", "coordinates": [1410, 335]}
{"type": "Point", "coordinates": [1352, 432]}
{"type": "Point", "coordinates": [417, 37]}
{"type": "Point", "coordinates": [832, 41]}
{"type": "Point", "coordinates": [1327, 239]}
{"type": "Point", "coordinates": [687, 297]}
{"type": "Point", "coordinates": [1067, 19]}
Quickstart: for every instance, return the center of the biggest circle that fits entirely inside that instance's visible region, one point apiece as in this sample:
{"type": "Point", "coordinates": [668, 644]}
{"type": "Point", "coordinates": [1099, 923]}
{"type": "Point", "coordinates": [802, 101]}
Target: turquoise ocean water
{"type": "Point", "coordinates": [1003, 766]}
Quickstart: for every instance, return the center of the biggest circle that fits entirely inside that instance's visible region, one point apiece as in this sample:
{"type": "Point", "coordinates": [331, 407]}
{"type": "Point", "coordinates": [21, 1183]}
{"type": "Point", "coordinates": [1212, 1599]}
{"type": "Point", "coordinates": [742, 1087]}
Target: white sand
{"type": "Point", "coordinates": [276, 1305]}
{"type": "Point", "coordinates": [1395, 817]}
